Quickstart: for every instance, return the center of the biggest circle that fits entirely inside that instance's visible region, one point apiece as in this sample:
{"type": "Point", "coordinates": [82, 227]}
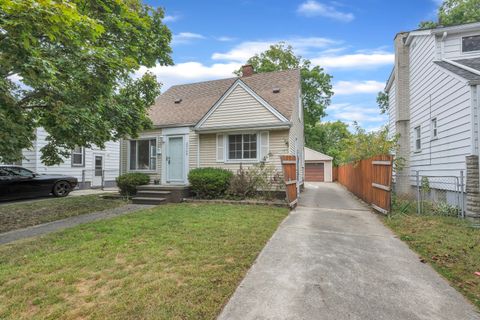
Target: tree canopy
{"type": "Point", "coordinates": [67, 66]}
{"type": "Point", "coordinates": [329, 138]}
{"type": "Point", "coordinates": [316, 83]}
{"type": "Point", "coordinates": [453, 12]}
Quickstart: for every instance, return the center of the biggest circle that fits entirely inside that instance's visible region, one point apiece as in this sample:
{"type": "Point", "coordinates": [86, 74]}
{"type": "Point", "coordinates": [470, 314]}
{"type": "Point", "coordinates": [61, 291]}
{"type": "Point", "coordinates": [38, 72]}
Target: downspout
{"type": "Point", "coordinates": [442, 45]}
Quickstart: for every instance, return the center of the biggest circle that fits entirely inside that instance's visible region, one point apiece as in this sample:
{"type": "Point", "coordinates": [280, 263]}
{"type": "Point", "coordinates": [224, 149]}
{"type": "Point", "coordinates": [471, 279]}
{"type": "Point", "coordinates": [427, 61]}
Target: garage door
{"type": "Point", "coordinates": [314, 172]}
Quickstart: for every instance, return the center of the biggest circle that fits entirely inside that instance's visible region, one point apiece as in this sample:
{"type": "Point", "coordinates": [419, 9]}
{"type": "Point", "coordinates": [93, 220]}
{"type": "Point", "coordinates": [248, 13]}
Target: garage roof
{"type": "Point", "coordinates": [312, 155]}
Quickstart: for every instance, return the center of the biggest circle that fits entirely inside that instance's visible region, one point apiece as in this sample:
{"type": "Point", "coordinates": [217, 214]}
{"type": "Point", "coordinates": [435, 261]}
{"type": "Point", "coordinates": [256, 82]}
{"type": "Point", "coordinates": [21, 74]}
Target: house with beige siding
{"type": "Point", "coordinates": [221, 123]}
{"type": "Point", "coordinates": [434, 94]}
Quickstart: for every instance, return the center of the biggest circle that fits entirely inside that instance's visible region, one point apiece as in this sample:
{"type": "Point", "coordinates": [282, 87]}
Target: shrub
{"type": "Point", "coordinates": [242, 185]}
{"type": "Point", "coordinates": [209, 183]}
{"type": "Point", "coordinates": [128, 182]}
{"type": "Point", "coordinates": [258, 180]}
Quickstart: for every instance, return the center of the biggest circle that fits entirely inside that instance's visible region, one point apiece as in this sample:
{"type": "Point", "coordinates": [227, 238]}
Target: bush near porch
{"type": "Point", "coordinates": [128, 182]}
{"type": "Point", "coordinates": [257, 181]}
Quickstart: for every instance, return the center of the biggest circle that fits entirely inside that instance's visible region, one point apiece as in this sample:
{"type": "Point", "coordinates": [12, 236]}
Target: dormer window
{"type": "Point", "coordinates": [470, 44]}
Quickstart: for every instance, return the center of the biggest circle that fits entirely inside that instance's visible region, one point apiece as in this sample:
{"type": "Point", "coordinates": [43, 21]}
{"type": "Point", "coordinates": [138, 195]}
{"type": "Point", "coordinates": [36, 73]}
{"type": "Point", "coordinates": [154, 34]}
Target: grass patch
{"type": "Point", "coordinates": [450, 245]}
{"type": "Point", "coordinates": [22, 215]}
{"type": "Point", "coordinates": [178, 261]}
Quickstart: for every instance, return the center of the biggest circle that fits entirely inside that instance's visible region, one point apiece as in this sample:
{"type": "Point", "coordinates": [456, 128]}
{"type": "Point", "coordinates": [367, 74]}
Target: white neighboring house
{"type": "Point", "coordinates": [91, 167]}
{"type": "Point", "coordinates": [434, 94]}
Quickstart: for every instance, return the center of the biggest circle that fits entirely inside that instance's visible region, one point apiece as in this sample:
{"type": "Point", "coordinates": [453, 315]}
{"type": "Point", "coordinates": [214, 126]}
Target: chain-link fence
{"type": "Point", "coordinates": [97, 178]}
{"type": "Point", "coordinates": [427, 194]}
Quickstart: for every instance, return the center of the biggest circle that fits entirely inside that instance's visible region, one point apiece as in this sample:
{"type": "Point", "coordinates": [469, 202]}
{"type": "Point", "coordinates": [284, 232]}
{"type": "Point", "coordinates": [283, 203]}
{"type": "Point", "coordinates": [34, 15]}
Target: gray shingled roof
{"type": "Point", "coordinates": [198, 98]}
{"type": "Point", "coordinates": [473, 63]}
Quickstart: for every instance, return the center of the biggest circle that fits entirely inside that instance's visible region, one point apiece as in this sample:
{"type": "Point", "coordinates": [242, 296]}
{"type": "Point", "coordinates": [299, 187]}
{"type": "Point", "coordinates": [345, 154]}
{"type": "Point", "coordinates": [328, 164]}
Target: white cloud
{"type": "Point", "coordinates": [313, 8]}
{"type": "Point", "coordinates": [245, 50]}
{"type": "Point", "coordinates": [357, 87]}
{"type": "Point", "coordinates": [355, 60]}
{"type": "Point", "coordinates": [171, 18]}
{"type": "Point", "coordinates": [347, 112]}
{"type": "Point", "coordinates": [186, 37]}
{"type": "Point", "coordinates": [188, 72]}
{"type": "Point", "coordinates": [225, 39]}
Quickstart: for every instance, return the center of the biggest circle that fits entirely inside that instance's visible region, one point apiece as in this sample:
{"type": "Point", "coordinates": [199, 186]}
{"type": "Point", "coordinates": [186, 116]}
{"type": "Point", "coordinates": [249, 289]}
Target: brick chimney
{"type": "Point", "coordinates": [402, 110]}
{"type": "Point", "coordinates": [247, 70]}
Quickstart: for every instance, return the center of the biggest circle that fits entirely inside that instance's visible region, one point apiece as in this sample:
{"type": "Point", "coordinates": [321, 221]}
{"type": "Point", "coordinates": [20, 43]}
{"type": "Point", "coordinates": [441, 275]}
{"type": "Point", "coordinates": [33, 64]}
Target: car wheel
{"type": "Point", "coordinates": [61, 189]}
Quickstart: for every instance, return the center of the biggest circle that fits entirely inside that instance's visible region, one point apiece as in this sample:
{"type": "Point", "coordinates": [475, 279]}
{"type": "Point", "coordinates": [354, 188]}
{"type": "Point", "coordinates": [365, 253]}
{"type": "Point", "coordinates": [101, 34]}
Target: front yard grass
{"type": "Point", "coordinates": [450, 245]}
{"type": "Point", "coordinates": [22, 215]}
{"type": "Point", "coordinates": [179, 261]}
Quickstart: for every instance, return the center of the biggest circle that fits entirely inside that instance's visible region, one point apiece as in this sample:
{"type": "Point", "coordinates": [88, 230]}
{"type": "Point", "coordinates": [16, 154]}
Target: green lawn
{"type": "Point", "coordinates": [450, 245]}
{"type": "Point", "coordinates": [179, 261]}
{"type": "Point", "coordinates": [21, 215]}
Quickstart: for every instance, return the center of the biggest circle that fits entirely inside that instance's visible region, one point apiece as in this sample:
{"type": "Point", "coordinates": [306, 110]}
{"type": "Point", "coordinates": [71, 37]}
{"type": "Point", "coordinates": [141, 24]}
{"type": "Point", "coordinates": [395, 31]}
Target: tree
{"type": "Point", "coordinates": [382, 101]}
{"type": "Point", "coordinates": [316, 84]}
{"type": "Point", "coordinates": [67, 66]}
{"type": "Point", "coordinates": [363, 145]}
{"type": "Point", "coordinates": [453, 12]}
{"type": "Point", "coordinates": [328, 138]}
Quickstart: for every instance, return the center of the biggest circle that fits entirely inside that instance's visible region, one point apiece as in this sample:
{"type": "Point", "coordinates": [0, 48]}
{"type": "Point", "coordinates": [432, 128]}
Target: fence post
{"type": "Point", "coordinates": [419, 200]}
{"type": "Point", "coordinates": [103, 178]}
{"type": "Point", "coordinates": [83, 179]}
{"type": "Point", "coordinates": [462, 196]}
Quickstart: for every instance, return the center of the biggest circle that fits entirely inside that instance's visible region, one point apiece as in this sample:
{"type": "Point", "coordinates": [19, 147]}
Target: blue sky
{"type": "Point", "coordinates": [352, 40]}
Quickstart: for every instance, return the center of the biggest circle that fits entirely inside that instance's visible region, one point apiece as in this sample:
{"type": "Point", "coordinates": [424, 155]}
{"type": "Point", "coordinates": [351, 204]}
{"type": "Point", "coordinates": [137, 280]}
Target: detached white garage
{"type": "Point", "coordinates": [318, 166]}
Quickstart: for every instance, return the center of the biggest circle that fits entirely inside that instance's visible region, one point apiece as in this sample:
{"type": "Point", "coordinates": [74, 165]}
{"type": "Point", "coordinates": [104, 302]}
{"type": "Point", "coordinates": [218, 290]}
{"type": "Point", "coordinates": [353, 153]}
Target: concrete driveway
{"type": "Point", "coordinates": [332, 258]}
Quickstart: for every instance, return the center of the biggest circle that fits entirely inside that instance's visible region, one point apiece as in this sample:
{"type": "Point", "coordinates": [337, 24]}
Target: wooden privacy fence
{"type": "Point", "coordinates": [289, 165]}
{"type": "Point", "coordinates": [370, 180]}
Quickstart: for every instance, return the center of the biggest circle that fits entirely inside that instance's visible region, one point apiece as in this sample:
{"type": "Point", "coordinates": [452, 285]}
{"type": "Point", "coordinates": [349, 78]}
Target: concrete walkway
{"type": "Point", "coordinates": [58, 225]}
{"type": "Point", "coordinates": [332, 258]}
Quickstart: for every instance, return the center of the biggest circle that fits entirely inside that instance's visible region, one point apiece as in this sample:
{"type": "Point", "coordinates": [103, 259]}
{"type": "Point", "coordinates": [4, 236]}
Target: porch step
{"type": "Point", "coordinates": [153, 193]}
{"type": "Point", "coordinates": [148, 200]}
{"type": "Point", "coordinates": [171, 193]}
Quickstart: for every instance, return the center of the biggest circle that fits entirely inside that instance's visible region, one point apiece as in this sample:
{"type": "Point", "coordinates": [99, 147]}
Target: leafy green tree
{"type": "Point", "coordinates": [328, 138]}
{"type": "Point", "coordinates": [316, 83]}
{"type": "Point", "coordinates": [453, 12]}
{"type": "Point", "coordinates": [67, 66]}
{"type": "Point", "coordinates": [382, 101]}
{"type": "Point", "coordinates": [363, 145]}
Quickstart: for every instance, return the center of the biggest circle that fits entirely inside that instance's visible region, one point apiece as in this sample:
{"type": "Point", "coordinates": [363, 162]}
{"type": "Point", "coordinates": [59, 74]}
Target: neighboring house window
{"type": "Point", "coordinates": [242, 147]}
{"type": "Point", "coordinates": [143, 154]}
{"type": "Point", "coordinates": [470, 44]}
{"type": "Point", "coordinates": [418, 138]}
{"type": "Point", "coordinates": [434, 128]}
{"type": "Point", "coordinates": [78, 157]}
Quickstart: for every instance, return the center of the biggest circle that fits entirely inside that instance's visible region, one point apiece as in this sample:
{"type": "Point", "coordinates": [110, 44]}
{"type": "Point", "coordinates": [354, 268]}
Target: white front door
{"type": "Point", "coordinates": [97, 170]}
{"type": "Point", "coordinates": [175, 160]}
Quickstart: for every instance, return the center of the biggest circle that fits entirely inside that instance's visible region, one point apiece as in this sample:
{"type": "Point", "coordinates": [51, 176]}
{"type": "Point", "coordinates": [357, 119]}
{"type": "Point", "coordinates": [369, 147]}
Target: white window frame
{"type": "Point", "coordinates": [461, 44]}
{"type": "Point", "coordinates": [434, 128]}
{"type": "Point", "coordinates": [227, 148]}
{"type": "Point", "coordinates": [82, 153]}
{"type": "Point", "coordinates": [155, 155]}
{"type": "Point", "coordinates": [418, 138]}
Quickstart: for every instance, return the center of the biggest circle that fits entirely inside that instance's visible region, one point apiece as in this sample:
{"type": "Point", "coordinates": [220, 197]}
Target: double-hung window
{"type": "Point", "coordinates": [418, 138]}
{"type": "Point", "coordinates": [242, 147]}
{"type": "Point", "coordinates": [143, 154]}
{"type": "Point", "coordinates": [78, 157]}
{"type": "Point", "coordinates": [471, 44]}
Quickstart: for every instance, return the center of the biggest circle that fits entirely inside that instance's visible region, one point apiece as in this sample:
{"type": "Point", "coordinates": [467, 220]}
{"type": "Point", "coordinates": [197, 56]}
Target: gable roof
{"type": "Point", "coordinates": [312, 155]}
{"type": "Point", "coordinates": [473, 63]}
{"type": "Point", "coordinates": [198, 98]}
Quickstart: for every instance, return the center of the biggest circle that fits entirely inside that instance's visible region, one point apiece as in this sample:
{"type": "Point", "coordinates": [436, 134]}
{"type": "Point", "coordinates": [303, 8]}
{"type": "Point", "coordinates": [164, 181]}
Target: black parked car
{"type": "Point", "coordinates": [17, 182]}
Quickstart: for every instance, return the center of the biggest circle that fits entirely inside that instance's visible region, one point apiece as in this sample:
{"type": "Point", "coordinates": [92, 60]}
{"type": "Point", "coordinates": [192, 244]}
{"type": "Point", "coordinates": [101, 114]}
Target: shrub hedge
{"type": "Point", "coordinates": [209, 183]}
{"type": "Point", "coordinates": [128, 182]}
